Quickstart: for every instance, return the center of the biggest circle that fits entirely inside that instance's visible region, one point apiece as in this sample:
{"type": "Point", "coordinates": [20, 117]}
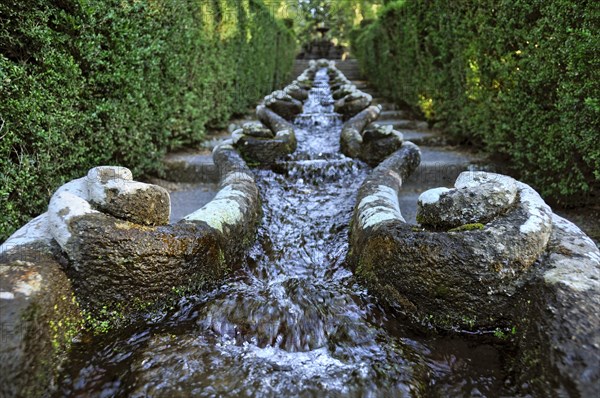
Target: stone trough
{"type": "Point", "coordinates": [106, 247]}
{"type": "Point", "coordinates": [105, 251]}
{"type": "Point", "coordinates": [488, 255]}
{"type": "Point", "coordinates": [491, 256]}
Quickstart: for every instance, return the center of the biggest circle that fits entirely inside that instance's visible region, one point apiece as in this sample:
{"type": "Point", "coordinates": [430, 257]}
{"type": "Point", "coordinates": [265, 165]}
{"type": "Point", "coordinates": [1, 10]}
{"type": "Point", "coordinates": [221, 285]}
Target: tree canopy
{"type": "Point", "coordinates": [340, 16]}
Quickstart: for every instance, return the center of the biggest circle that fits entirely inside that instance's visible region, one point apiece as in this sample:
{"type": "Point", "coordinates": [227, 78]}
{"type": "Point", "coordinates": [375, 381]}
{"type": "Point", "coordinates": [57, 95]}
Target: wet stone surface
{"type": "Point", "coordinates": [293, 321]}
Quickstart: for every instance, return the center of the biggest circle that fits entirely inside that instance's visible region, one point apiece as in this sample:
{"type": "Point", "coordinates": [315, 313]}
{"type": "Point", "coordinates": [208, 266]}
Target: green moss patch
{"type": "Point", "coordinates": [468, 227]}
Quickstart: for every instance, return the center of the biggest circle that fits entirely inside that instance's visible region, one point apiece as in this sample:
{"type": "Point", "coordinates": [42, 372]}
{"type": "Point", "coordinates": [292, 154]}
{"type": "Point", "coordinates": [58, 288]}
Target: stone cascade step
{"type": "Point", "coordinates": [364, 86]}
{"type": "Point", "coordinates": [191, 167]}
{"type": "Point", "coordinates": [360, 84]}
{"type": "Point", "coordinates": [424, 138]}
{"type": "Point", "coordinates": [385, 105]}
{"type": "Point", "coordinates": [371, 91]}
{"type": "Point", "coordinates": [405, 124]}
{"type": "Point", "coordinates": [299, 66]}
{"type": "Point", "coordinates": [349, 68]}
{"type": "Point", "coordinates": [413, 130]}
{"type": "Point", "coordinates": [393, 114]}
{"type": "Point", "coordinates": [441, 165]}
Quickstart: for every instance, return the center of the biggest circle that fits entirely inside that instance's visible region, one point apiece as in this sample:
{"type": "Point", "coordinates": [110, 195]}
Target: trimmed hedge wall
{"type": "Point", "coordinates": [92, 82]}
{"type": "Point", "coordinates": [520, 77]}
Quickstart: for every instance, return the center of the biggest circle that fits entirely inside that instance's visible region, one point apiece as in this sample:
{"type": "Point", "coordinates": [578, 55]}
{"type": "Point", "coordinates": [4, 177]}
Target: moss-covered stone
{"type": "Point", "coordinates": [527, 278]}
{"type": "Point", "coordinates": [467, 227]}
{"type": "Point", "coordinates": [110, 276]}
{"type": "Point", "coordinates": [39, 316]}
{"type": "Point", "coordinates": [471, 272]}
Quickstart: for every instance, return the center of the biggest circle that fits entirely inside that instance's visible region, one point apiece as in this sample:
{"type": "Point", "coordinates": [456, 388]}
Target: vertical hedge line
{"type": "Point", "coordinates": [520, 77]}
{"type": "Point", "coordinates": [90, 82]}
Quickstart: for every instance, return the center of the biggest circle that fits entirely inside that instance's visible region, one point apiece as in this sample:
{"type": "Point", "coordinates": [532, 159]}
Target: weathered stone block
{"type": "Point", "coordinates": [476, 198]}
{"type": "Point", "coordinates": [295, 91]}
{"type": "Point", "coordinates": [461, 279]}
{"type": "Point", "coordinates": [283, 104]}
{"type": "Point", "coordinates": [379, 142]}
{"type": "Point", "coordinates": [342, 91]}
{"type": "Point", "coordinates": [352, 104]}
{"type": "Point", "coordinates": [113, 191]}
{"type": "Point", "coordinates": [257, 130]}
{"type": "Point", "coordinates": [260, 148]}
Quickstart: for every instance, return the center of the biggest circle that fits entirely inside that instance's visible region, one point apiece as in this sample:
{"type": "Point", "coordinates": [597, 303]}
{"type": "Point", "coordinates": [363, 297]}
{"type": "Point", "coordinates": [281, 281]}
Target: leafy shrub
{"type": "Point", "coordinates": [91, 82]}
{"type": "Point", "coordinates": [519, 77]}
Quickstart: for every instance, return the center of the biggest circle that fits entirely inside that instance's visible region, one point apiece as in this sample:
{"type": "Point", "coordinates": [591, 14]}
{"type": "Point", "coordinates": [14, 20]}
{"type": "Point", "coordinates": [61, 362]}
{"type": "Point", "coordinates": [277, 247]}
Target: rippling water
{"type": "Point", "coordinates": [294, 322]}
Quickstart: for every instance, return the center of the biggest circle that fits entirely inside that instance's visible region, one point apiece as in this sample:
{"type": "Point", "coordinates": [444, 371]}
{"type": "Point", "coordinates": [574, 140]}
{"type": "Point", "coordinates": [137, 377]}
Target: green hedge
{"type": "Point", "coordinates": [91, 82]}
{"type": "Point", "coordinates": [520, 77]}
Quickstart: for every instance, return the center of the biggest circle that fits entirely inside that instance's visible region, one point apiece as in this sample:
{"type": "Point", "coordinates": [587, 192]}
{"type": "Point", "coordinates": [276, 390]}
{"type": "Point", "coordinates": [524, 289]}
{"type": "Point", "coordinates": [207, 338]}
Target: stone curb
{"type": "Point", "coordinates": [377, 199]}
{"type": "Point", "coordinates": [236, 209]}
{"type": "Point", "coordinates": [144, 264]}
{"type": "Point", "coordinates": [39, 317]}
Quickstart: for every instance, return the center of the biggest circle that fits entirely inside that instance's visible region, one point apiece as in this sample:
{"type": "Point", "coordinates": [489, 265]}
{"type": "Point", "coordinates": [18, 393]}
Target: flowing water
{"type": "Point", "coordinates": [293, 322]}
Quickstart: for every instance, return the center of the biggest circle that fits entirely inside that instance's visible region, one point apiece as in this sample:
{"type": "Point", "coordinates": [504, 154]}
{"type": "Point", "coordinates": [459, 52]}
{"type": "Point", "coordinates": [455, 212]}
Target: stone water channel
{"type": "Point", "coordinates": [294, 321]}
